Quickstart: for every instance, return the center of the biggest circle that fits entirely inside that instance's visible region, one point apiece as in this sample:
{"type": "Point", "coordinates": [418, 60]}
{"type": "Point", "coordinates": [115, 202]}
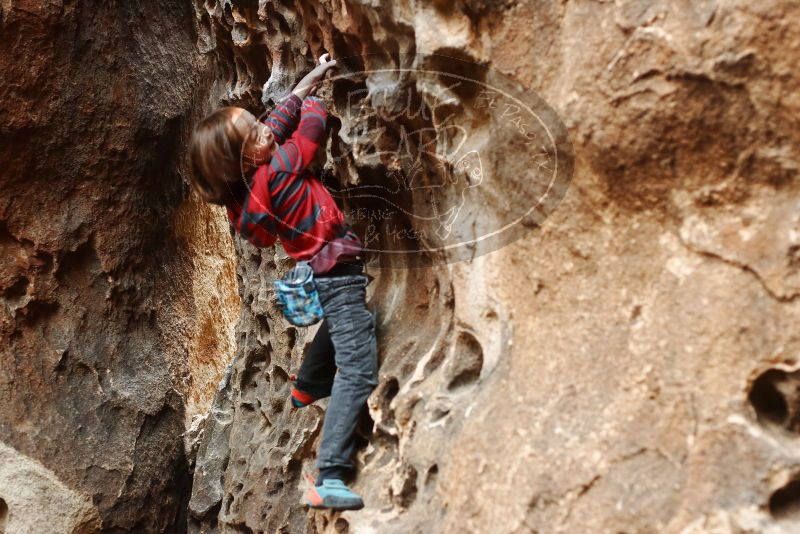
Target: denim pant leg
{"type": "Point", "coordinates": [352, 329]}
{"type": "Point", "coordinates": [318, 369]}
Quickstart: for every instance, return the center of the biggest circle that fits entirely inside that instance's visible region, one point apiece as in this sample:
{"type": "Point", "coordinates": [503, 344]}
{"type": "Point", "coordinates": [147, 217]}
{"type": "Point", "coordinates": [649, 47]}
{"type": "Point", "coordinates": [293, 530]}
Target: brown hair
{"type": "Point", "coordinates": [215, 154]}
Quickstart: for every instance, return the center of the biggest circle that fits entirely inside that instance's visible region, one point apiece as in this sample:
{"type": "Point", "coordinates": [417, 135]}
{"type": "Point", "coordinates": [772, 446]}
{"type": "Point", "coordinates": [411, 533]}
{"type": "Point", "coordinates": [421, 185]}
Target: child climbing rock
{"type": "Point", "coordinates": [258, 171]}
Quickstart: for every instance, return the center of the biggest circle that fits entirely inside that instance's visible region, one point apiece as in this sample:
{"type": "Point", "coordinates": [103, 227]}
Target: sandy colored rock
{"type": "Point", "coordinates": [628, 366]}
{"type": "Point", "coordinates": [626, 363]}
{"type": "Point", "coordinates": [34, 499]}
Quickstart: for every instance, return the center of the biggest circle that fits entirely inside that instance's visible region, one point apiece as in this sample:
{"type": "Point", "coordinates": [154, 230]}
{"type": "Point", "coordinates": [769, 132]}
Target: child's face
{"type": "Point", "coordinates": [259, 142]}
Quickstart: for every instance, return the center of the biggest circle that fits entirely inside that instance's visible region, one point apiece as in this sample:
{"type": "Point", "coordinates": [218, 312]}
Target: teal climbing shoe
{"type": "Point", "coordinates": [333, 495]}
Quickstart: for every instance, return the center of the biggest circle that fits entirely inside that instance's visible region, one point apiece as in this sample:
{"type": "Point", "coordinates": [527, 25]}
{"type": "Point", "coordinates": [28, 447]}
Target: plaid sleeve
{"type": "Point", "coordinates": [255, 221]}
{"type": "Point", "coordinates": [312, 119]}
{"type": "Point", "coordinates": [303, 144]}
{"type": "Point", "coordinates": [283, 119]}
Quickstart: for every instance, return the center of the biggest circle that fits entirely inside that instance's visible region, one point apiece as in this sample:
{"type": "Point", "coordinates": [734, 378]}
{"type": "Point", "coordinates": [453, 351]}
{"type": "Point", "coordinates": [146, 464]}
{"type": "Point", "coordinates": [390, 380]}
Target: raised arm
{"type": "Point", "coordinates": [287, 186]}
{"type": "Point", "coordinates": [308, 136]}
{"type": "Point", "coordinates": [310, 80]}
{"type": "Point", "coordinates": [283, 119]}
{"type": "Point", "coordinates": [296, 154]}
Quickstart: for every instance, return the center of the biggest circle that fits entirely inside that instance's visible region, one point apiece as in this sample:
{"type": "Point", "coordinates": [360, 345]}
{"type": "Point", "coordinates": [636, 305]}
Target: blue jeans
{"type": "Point", "coordinates": [351, 329]}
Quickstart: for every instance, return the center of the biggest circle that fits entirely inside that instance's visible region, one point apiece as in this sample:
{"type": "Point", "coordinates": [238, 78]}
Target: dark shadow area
{"type": "Point", "coordinates": [785, 502]}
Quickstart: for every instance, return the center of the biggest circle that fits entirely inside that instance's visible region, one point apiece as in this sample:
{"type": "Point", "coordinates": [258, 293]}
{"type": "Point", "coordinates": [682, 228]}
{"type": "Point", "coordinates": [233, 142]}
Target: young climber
{"type": "Point", "coordinates": [259, 172]}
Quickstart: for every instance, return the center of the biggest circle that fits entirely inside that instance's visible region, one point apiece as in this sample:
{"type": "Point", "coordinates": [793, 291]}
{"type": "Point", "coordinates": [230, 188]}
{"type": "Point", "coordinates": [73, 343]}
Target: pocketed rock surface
{"type": "Point", "coordinates": [117, 290]}
{"type": "Point", "coordinates": [629, 364]}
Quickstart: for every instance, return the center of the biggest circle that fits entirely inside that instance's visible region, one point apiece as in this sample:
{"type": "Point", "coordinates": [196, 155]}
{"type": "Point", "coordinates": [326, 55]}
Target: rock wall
{"type": "Point", "coordinates": [117, 292]}
{"type": "Point", "coordinates": [629, 364]}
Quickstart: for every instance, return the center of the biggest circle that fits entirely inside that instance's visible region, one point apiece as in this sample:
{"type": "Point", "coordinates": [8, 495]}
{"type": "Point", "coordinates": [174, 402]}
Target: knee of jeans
{"type": "Point", "coordinates": [358, 377]}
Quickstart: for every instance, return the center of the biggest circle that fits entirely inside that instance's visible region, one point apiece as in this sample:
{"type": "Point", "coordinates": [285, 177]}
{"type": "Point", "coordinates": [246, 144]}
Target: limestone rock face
{"type": "Point", "coordinates": [117, 296]}
{"type": "Point", "coordinates": [628, 364]}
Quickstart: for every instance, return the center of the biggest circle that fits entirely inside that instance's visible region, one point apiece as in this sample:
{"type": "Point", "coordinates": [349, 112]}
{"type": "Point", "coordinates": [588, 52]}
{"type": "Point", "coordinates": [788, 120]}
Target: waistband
{"type": "Point", "coordinates": [343, 269]}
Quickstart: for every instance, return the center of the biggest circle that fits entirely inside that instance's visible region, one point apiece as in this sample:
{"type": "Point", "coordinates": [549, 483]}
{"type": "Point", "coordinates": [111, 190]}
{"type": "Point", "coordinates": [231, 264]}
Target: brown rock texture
{"type": "Point", "coordinates": [629, 365]}
{"type": "Point", "coordinates": [117, 293]}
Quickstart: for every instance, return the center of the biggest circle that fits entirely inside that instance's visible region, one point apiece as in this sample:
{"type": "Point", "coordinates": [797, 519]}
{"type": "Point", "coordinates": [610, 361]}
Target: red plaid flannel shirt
{"type": "Point", "coordinates": [285, 200]}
